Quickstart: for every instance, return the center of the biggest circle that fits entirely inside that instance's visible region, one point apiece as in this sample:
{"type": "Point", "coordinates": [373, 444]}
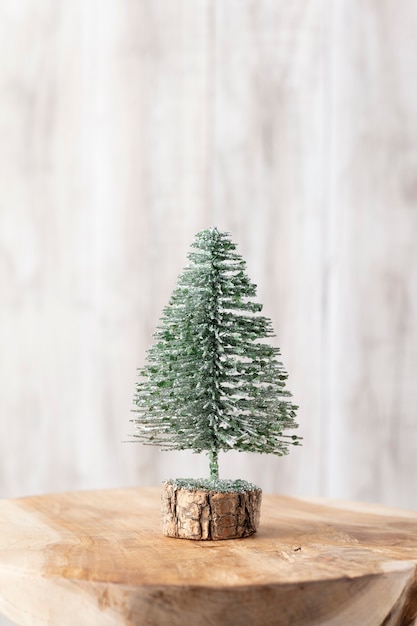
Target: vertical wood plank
{"type": "Point", "coordinates": [269, 189]}
{"type": "Point", "coordinates": [373, 302]}
{"type": "Point", "coordinates": [104, 182]}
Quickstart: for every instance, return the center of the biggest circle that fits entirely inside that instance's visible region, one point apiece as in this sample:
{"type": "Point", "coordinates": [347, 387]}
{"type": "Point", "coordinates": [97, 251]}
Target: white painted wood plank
{"type": "Point", "coordinates": [104, 183]}
{"type": "Point", "coordinates": [269, 189]}
{"type": "Point", "coordinates": [371, 434]}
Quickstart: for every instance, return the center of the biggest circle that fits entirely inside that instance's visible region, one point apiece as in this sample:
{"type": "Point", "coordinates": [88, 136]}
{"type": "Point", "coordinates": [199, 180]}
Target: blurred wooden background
{"type": "Point", "coordinates": [127, 126]}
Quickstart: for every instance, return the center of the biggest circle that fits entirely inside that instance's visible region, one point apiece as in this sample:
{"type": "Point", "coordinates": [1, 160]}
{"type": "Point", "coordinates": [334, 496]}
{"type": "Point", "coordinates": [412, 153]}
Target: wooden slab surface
{"type": "Point", "coordinates": [98, 557]}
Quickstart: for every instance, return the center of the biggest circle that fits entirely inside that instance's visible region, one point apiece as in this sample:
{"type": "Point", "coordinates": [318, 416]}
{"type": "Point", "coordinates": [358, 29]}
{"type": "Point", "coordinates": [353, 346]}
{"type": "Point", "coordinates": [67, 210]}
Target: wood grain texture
{"type": "Point", "coordinates": [103, 186]}
{"type": "Point", "coordinates": [269, 161]}
{"type": "Point", "coordinates": [100, 558]}
{"type": "Point", "coordinates": [371, 331]}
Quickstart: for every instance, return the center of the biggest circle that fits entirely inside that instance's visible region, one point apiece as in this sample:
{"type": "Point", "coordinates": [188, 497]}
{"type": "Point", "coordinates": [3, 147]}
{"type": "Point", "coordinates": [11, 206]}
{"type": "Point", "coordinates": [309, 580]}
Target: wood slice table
{"type": "Point", "coordinates": [98, 558]}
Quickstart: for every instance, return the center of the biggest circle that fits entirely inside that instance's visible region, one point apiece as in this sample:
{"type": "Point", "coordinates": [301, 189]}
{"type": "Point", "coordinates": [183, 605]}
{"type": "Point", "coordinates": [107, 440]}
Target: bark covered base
{"type": "Point", "coordinates": [202, 514]}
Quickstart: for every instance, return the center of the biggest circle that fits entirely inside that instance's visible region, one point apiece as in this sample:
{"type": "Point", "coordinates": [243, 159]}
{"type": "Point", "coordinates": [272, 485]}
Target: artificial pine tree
{"type": "Point", "coordinates": [211, 382]}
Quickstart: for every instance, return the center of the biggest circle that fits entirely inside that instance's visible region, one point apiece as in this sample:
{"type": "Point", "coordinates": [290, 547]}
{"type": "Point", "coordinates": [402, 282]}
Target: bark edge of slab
{"type": "Point", "coordinates": [204, 514]}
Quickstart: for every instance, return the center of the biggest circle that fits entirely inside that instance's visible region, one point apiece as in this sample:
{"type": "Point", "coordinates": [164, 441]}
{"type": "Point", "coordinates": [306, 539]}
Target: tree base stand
{"type": "Point", "coordinates": [210, 510]}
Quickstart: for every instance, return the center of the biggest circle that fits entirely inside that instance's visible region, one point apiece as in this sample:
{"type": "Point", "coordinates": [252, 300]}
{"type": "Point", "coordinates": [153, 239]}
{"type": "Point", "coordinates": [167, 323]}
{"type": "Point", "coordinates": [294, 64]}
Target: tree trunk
{"type": "Point", "coordinates": [203, 514]}
{"type": "Point", "coordinates": [214, 464]}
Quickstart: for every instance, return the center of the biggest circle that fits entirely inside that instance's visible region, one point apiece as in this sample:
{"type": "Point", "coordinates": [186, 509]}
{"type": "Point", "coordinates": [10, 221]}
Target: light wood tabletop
{"type": "Point", "coordinates": [99, 558]}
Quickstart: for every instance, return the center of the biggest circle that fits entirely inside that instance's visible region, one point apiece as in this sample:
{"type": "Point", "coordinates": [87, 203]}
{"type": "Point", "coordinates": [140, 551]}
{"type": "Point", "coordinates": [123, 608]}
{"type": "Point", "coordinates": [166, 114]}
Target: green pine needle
{"type": "Point", "coordinates": [211, 381]}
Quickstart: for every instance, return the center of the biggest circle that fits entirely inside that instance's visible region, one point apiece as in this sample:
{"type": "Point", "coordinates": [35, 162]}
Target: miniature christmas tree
{"type": "Point", "coordinates": [211, 382]}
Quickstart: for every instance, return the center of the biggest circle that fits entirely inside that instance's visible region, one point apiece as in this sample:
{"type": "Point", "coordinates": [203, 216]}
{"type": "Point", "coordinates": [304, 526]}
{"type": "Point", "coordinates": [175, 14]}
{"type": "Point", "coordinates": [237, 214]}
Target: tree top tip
{"type": "Point", "coordinates": [213, 230]}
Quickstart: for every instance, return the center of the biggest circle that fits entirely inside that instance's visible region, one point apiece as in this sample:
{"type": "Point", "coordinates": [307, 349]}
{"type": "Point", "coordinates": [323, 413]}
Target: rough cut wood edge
{"type": "Point", "coordinates": [209, 515]}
